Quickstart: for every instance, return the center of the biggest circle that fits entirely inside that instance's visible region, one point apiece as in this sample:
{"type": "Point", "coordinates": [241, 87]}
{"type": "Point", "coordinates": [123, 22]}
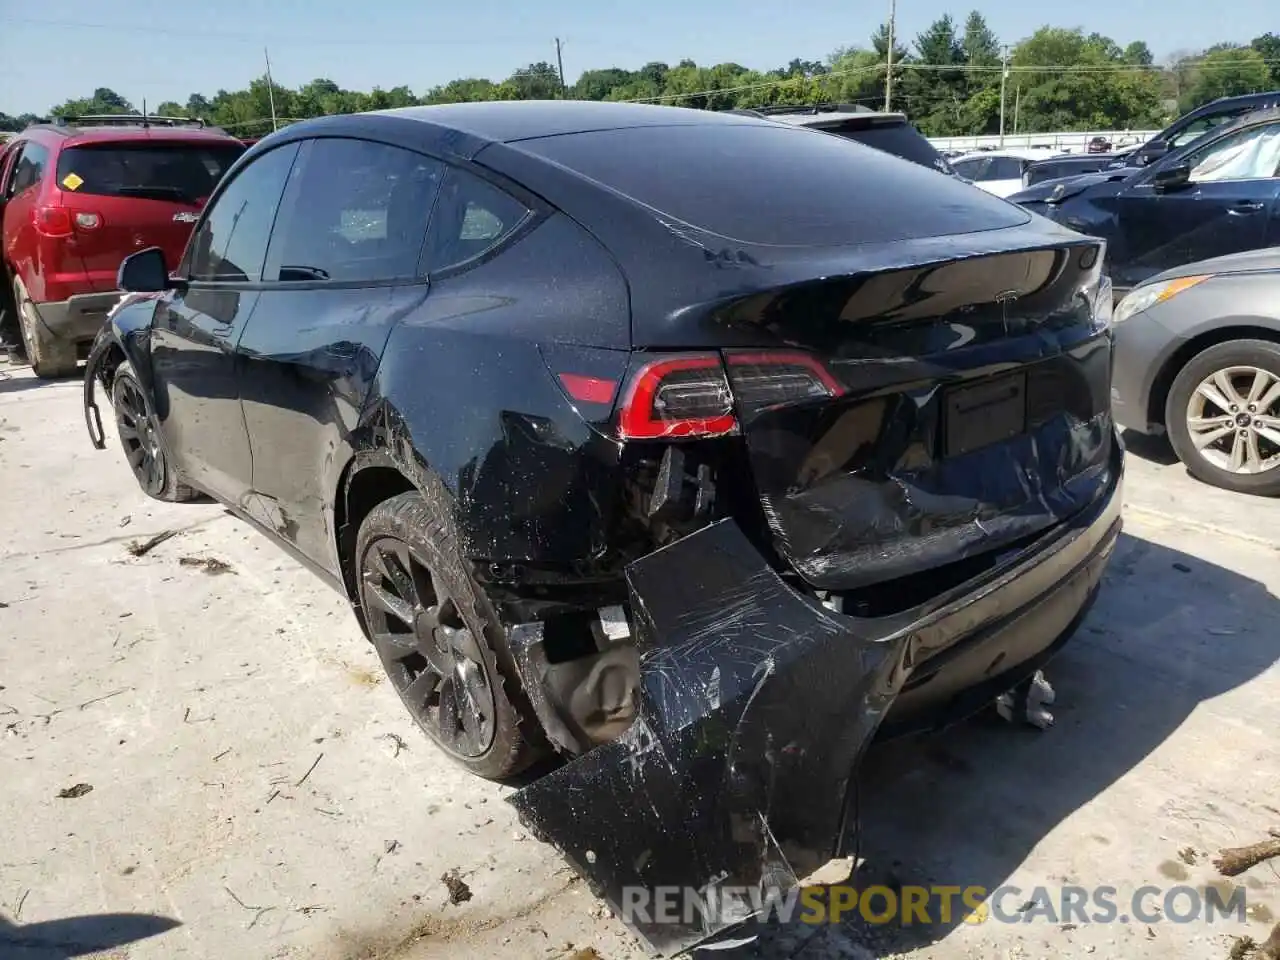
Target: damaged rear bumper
{"type": "Point", "coordinates": [756, 704]}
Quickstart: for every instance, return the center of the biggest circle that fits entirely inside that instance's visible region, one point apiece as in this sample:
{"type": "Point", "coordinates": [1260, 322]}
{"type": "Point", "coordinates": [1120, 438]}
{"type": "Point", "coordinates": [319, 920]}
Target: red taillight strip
{"type": "Point", "coordinates": [793, 358]}
{"type": "Point", "coordinates": [588, 389]}
{"type": "Point", "coordinates": [636, 421]}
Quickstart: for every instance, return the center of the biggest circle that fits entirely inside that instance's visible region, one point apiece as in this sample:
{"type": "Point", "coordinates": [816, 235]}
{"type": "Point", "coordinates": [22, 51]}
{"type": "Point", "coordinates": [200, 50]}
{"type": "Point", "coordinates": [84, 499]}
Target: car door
{"type": "Point", "coordinates": [27, 166]}
{"type": "Point", "coordinates": [341, 270]}
{"type": "Point", "coordinates": [1227, 205]}
{"type": "Point", "coordinates": [197, 325]}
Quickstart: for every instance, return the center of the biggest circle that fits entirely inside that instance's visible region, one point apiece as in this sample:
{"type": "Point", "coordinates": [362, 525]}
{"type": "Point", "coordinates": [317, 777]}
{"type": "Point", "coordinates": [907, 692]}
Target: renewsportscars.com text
{"type": "Point", "coordinates": [939, 904]}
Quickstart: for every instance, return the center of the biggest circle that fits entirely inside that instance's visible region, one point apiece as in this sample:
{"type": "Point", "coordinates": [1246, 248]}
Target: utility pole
{"type": "Point", "coordinates": [271, 91]}
{"type": "Point", "coordinates": [564, 90]}
{"type": "Point", "coordinates": [1004, 78]}
{"type": "Point", "coordinates": [1017, 106]}
{"type": "Point", "coordinates": [888, 77]}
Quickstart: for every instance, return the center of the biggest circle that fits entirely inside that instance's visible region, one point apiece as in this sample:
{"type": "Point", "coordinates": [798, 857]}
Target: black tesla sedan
{"type": "Point", "coordinates": [699, 447]}
{"type": "Point", "coordinates": [1216, 196]}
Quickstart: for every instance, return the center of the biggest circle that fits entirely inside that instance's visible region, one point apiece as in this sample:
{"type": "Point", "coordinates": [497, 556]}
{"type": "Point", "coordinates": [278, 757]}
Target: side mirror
{"type": "Point", "coordinates": [143, 272]}
{"type": "Point", "coordinates": [1171, 177]}
{"type": "Point", "coordinates": [1152, 150]}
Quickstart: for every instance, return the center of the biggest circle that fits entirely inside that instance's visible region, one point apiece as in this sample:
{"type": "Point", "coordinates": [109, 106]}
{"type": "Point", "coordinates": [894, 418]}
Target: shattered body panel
{"type": "Point", "coordinates": [757, 703]}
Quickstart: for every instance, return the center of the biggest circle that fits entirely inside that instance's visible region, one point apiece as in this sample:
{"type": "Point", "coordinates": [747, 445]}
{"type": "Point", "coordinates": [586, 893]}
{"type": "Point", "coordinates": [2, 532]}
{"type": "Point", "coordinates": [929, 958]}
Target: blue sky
{"type": "Point", "coordinates": [167, 49]}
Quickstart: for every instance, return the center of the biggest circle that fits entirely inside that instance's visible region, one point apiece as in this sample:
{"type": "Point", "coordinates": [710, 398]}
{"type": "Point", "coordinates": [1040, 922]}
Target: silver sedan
{"type": "Point", "coordinates": [1198, 359]}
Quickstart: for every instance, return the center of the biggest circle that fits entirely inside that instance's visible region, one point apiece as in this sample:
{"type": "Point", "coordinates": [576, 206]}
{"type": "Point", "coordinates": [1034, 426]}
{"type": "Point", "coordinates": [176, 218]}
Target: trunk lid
{"type": "Point", "coordinates": [955, 409]}
{"type": "Point", "coordinates": [127, 195]}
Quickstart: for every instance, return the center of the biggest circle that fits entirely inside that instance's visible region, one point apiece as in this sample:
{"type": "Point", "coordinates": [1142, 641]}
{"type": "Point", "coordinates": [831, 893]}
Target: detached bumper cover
{"type": "Point", "coordinates": [79, 317]}
{"type": "Point", "coordinates": [757, 703]}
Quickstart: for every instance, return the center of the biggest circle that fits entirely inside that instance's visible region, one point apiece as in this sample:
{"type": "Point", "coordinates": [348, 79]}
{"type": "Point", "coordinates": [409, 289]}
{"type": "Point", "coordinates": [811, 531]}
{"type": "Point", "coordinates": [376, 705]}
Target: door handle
{"type": "Point", "coordinates": [1246, 206]}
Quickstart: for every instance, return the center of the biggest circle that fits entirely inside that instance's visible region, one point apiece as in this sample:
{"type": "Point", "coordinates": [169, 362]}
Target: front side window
{"type": "Point", "coordinates": [1200, 127]}
{"type": "Point", "coordinates": [230, 245]}
{"type": "Point", "coordinates": [970, 169]}
{"type": "Point", "coordinates": [471, 217]}
{"type": "Point", "coordinates": [29, 169]}
{"type": "Point", "coordinates": [1252, 154]}
{"type": "Point", "coordinates": [354, 210]}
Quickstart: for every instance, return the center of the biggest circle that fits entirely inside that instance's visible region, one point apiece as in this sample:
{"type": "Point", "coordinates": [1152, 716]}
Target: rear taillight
{"type": "Point", "coordinates": [52, 221]}
{"type": "Point", "coordinates": [685, 396]}
{"type": "Point", "coordinates": [776, 377]}
{"type": "Point", "coordinates": [60, 222]}
{"type": "Point", "coordinates": [690, 395]}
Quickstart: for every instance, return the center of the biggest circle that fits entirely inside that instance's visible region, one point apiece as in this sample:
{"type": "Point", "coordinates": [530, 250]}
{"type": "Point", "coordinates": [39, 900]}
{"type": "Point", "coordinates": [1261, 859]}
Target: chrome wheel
{"type": "Point", "coordinates": [1233, 420]}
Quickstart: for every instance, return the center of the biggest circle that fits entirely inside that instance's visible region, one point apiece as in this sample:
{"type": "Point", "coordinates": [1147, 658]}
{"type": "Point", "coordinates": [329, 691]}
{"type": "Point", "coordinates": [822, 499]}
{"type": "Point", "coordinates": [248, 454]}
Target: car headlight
{"type": "Point", "coordinates": [1146, 297]}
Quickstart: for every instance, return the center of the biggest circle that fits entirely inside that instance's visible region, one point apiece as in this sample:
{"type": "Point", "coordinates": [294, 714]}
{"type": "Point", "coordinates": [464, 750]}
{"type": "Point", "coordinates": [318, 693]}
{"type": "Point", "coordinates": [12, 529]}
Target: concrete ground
{"type": "Point", "coordinates": [202, 764]}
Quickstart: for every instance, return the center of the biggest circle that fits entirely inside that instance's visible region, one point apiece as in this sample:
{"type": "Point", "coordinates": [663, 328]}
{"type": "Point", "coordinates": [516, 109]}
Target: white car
{"type": "Point", "coordinates": [1000, 171]}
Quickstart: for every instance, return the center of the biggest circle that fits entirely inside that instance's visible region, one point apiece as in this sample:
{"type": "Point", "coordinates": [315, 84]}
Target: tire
{"type": "Point", "coordinates": [1246, 457]}
{"type": "Point", "coordinates": [49, 357]}
{"type": "Point", "coordinates": [139, 433]}
{"type": "Point", "coordinates": [408, 545]}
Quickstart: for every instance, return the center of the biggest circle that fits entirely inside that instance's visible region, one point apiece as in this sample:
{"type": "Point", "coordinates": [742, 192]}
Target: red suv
{"type": "Point", "coordinates": [81, 194]}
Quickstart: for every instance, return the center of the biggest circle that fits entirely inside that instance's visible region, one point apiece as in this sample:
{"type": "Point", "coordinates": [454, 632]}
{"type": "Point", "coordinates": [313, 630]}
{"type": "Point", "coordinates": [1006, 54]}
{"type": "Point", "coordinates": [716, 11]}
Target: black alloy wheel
{"type": "Point", "coordinates": [139, 437]}
{"type": "Point", "coordinates": [427, 649]}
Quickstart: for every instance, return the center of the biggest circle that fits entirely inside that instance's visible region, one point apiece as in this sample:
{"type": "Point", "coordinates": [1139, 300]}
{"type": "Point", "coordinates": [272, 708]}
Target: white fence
{"type": "Point", "coordinates": [1066, 142]}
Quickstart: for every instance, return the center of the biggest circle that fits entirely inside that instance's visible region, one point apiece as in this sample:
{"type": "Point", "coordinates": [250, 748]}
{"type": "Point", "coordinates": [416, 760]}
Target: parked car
{"type": "Point", "coordinates": [998, 171]}
{"type": "Point", "coordinates": [780, 443]}
{"type": "Point", "coordinates": [1182, 132]}
{"type": "Point", "coordinates": [81, 194]}
{"type": "Point", "coordinates": [1198, 360]}
{"type": "Point", "coordinates": [1070, 165]}
{"type": "Point", "coordinates": [890, 132]}
{"type": "Point", "coordinates": [1218, 195]}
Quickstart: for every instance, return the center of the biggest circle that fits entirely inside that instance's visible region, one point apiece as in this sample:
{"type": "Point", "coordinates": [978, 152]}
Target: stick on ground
{"type": "Point", "coordinates": [1233, 861]}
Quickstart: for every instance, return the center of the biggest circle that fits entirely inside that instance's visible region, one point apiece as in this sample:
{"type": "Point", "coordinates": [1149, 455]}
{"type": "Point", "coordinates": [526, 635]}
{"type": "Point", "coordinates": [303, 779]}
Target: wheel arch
{"type": "Point", "coordinates": [372, 476]}
{"type": "Point", "coordinates": [1237, 329]}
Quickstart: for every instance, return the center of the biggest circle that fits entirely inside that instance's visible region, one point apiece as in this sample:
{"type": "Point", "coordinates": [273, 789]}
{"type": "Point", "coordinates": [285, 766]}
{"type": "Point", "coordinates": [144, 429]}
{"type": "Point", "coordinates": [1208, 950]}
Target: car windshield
{"type": "Point", "coordinates": [180, 171]}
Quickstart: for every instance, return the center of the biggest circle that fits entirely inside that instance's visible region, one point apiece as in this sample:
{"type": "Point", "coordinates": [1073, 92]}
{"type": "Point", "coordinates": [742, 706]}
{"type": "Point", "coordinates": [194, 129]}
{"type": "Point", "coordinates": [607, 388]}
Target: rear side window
{"type": "Point", "coordinates": [230, 245]}
{"type": "Point", "coordinates": [29, 170]}
{"type": "Point", "coordinates": [353, 211]}
{"type": "Point", "coordinates": [471, 217]}
{"type": "Point", "coordinates": [769, 184]}
{"type": "Point", "coordinates": [900, 139]}
{"type": "Point", "coordinates": [1004, 168]}
{"type": "Point", "coordinates": [180, 172]}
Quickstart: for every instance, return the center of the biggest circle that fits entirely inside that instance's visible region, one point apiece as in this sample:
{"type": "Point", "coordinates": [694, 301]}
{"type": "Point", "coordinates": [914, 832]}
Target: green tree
{"type": "Point", "coordinates": [104, 100]}
{"type": "Point", "coordinates": [598, 84]}
{"type": "Point", "coordinates": [1268, 45]}
{"type": "Point", "coordinates": [1138, 54]}
{"type": "Point", "coordinates": [1226, 72]}
{"type": "Point", "coordinates": [537, 81]}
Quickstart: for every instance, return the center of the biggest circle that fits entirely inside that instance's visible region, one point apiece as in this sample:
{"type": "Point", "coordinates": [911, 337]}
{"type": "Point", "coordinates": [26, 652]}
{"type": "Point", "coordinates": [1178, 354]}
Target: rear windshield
{"type": "Point", "coordinates": [900, 139]}
{"type": "Point", "coordinates": [184, 172]}
{"type": "Point", "coordinates": [773, 185]}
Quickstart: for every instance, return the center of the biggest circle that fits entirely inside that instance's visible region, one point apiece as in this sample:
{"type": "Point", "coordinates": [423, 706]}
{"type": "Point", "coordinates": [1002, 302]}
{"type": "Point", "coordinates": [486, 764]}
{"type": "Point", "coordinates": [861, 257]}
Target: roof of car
{"type": "Point", "coordinates": [824, 114]}
{"type": "Point", "coordinates": [71, 131]}
{"type": "Point", "coordinates": [501, 121]}
{"type": "Point", "coordinates": [1021, 153]}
